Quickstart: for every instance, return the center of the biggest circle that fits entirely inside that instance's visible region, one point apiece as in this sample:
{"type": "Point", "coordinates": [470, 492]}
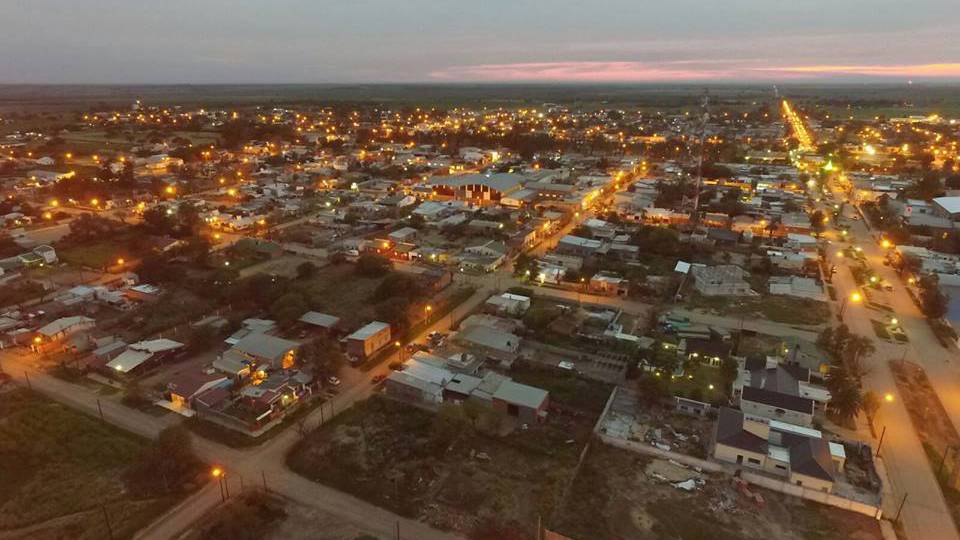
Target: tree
{"type": "Point", "coordinates": [845, 396]}
{"type": "Point", "coordinates": [933, 302]}
{"type": "Point", "coordinates": [288, 308]}
{"type": "Point", "coordinates": [927, 186]}
{"type": "Point", "coordinates": [169, 461]}
{"type": "Point", "coordinates": [394, 311]}
{"type": "Point", "coordinates": [371, 265]}
{"type": "Point", "coordinates": [197, 249]}
{"type": "Point", "coordinates": [202, 338]}
{"type": "Point", "coordinates": [397, 284]}
{"type": "Point", "coordinates": [133, 395]}
{"type": "Point", "coordinates": [538, 318]}
{"type": "Point", "coordinates": [816, 221]}
{"type": "Point", "coordinates": [157, 221]}
{"type": "Point", "coordinates": [322, 356]}
{"type": "Point", "coordinates": [652, 389]}
{"type": "Point", "coordinates": [306, 270]}
{"type": "Point", "coordinates": [88, 227]}
{"type": "Point", "coordinates": [855, 351]}
{"type": "Point", "coordinates": [657, 240]}
{"type": "Point", "coordinates": [871, 404]}
{"type": "Point", "coordinates": [524, 264]}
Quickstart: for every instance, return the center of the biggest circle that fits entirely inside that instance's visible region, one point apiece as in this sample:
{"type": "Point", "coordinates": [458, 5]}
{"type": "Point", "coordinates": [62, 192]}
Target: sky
{"type": "Point", "coordinates": [494, 41]}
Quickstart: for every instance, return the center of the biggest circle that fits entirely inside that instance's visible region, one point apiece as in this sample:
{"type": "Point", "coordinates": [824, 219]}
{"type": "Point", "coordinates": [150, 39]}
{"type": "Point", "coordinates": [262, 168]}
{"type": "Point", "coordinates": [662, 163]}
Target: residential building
{"type": "Point", "coordinates": [367, 340]}
{"type": "Point", "coordinates": [801, 455]}
{"type": "Point", "coordinates": [721, 280]}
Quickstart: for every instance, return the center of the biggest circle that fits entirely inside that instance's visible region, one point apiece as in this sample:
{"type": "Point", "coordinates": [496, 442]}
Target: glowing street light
{"type": "Point", "coordinates": [220, 475]}
{"type": "Point", "coordinates": [854, 297]}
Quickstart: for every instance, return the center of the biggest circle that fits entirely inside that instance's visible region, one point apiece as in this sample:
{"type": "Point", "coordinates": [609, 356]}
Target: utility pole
{"type": "Point", "coordinates": [880, 444]}
{"type": "Point", "coordinates": [900, 509]}
{"type": "Point", "coordinates": [705, 115]}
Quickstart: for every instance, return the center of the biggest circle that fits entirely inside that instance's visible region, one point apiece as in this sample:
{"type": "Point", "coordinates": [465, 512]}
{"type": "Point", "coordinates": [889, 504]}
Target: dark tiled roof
{"type": "Point", "coordinates": [730, 432]}
{"type": "Point", "coordinates": [811, 457]}
{"type": "Point", "coordinates": [775, 380]}
{"type": "Point", "coordinates": [776, 399]}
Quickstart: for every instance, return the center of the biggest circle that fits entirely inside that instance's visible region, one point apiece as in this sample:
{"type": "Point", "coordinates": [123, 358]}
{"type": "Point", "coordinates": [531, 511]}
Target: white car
{"type": "Point", "coordinates": [333, 381]}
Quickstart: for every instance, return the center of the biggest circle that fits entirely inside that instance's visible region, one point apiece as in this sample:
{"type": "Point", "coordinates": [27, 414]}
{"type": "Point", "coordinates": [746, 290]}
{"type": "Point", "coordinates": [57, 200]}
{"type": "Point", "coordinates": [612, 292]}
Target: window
{"type": "Point", "coordinates": [753, 461]}
{"type": "Point", "coordinates": [799, 483]}
{"type": "Point", "coordinates": [783, 467]}
{"type": "Point", "coordinates": [739, 459]}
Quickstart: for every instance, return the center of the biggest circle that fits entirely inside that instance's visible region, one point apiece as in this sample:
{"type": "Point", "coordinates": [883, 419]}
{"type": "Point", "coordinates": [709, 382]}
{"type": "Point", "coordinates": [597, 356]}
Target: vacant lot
{"type": "Point", "coordinates": [338, 290]}
{"type": "Point", "coordinates": [781, 309]}
{"type": "Point", "coordinates": [446, 468]}
{"type": "Point", "coordinates": [104, 252]}
{"type": "Point", "coordinates": [619, 495]}
{"type": "Point", "coordinates": [61, 473]}
{"type": "Point", "coordinates": [258, 516]}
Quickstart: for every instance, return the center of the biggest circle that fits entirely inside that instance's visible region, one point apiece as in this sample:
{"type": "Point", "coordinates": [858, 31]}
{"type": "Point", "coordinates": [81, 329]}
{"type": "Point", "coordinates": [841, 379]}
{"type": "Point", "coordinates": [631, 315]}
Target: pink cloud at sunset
{"type": "Point", "coordinates": [947, 70]}
{"type": "Point", "coordinates": [624, 71]}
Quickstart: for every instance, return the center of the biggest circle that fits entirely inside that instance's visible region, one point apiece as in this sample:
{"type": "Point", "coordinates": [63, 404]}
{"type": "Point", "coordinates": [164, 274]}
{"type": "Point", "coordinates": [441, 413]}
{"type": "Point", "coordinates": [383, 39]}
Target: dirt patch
{"type": "Point", "coordinates": [618, 496]}
{"type": "Point", "coordinates": [439, 468]}
{"type": "Point", "coordinates": [933, 427]}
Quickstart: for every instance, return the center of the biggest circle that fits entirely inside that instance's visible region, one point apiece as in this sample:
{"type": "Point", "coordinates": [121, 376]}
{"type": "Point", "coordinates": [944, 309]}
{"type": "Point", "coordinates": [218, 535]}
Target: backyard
{"type": "Point", "coordinates": [63, 473]}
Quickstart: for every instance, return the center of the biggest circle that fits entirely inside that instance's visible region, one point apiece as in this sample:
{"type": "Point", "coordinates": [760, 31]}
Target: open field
{"type": "Point", "coordinates": [450, 471]}
{"type": "Point", "coordinates": [102, 253]}
{"type": "Point", "coordinates": [619, 495]}
{"type": "Point", "coordinates": [338, 290]}
{"type": "Point", "coordinates": [862, 100]}
{"type": "Point", "coordinates": [62, 471]}
{"type": "Point", "coordinates": [102, 138]}
{"type": "Point", "coordinates": [258, 516]}
{"type": "Point", "coordinates": [781, 309]}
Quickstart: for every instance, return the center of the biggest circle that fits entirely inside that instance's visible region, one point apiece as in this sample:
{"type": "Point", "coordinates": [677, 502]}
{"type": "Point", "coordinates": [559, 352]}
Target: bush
{"type": "Point", "coordinates": [306, 270]}
{"type": "Point", "coordinates": [370, 265]}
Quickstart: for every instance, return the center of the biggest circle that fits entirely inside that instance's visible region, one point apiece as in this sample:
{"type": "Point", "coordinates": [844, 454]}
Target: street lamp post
{"type": "Point", "coordinates": [854, 297]}
{"type": "Point", "coordinates": [218, 473]}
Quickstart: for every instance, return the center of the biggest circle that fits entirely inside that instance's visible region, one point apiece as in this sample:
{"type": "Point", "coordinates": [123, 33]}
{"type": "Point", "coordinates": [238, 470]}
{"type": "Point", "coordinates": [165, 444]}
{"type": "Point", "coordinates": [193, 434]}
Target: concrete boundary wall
{"type": "Point", "coordinates": [750, 477]}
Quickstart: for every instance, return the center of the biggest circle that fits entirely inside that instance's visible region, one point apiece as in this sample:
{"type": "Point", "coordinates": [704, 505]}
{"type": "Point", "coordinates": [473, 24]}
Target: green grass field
{"type": "Point", "coordinates": [61, 473]}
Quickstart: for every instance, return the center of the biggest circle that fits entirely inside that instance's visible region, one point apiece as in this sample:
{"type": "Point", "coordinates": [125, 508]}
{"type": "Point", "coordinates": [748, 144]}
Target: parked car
{"type": "Point", "coordinates": [333, 381]}
{"type": "Point", "coordinates": [396, 366]}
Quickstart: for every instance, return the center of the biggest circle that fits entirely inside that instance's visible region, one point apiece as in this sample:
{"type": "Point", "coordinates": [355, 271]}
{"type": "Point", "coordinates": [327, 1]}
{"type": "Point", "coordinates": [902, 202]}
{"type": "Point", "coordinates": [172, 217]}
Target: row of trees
{"type": "Point", "coordinates": [847, 353]}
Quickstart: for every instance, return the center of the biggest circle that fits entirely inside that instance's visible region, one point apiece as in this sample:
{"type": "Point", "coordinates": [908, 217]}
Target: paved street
{"type": "Point", "coordinates": [925, 514]}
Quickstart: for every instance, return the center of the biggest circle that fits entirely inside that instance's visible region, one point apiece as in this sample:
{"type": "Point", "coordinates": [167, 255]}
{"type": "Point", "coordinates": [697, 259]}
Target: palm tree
{"type": "Point", "coordinates": [846, 398]}
{"type": "Point", "coordinates": [856, 350]}
{"type": "Point", "coordinates": [871, 404]}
